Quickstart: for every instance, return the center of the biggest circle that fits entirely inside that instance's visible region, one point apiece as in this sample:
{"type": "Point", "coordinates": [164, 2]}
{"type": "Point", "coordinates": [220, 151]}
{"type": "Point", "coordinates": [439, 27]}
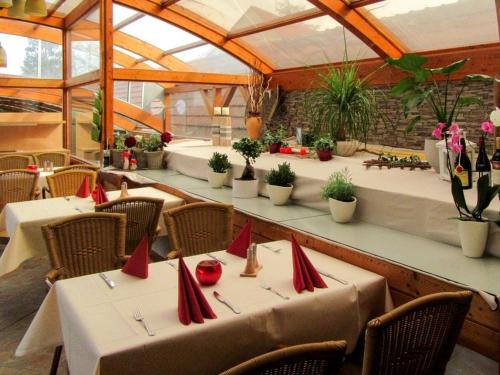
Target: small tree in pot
{"type": "Point", "coordinates": [339, 191]}
{"type": "Point", "coordinates": [324, 148]}
{"type": "Point", "coordinates": [274, 140]}
{"type": "Point", "coordinates": [247, 185]}
{"type": "Point", "coordinates": [219, 164]}
{"type": "Point", "coordinates": [279, 183]}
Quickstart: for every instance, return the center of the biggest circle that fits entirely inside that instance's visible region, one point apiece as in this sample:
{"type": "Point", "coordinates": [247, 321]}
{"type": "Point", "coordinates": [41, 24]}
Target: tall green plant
{"type": "Point", "coordinates": [96, 132]}
{"type": "Point", "coordinates": [420, 87]}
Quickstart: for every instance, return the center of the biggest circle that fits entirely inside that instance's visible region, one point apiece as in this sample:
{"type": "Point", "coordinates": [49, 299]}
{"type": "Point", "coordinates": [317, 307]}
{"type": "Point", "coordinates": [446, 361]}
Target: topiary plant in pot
{"type": "Point", "coordinates": [340, 193]}
{"type": "Point", "coordinates": [279, 183]}
{"type": "Point", "coordinates": [324, 148]}
{"type": "Point", "coordinates": [247, 185]}
{"type": "Point", "coordinates": [274, 139]}
{"type": "Point", "coordinates": [154, 151]}
{"type": "Point", "coordinates": [219, 165]}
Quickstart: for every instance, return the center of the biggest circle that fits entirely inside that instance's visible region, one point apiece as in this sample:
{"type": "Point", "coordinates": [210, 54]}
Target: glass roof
{"type": "Point", "coordinates": [211, 59]}
{"type": "Point", "coordinates": [66, 7]}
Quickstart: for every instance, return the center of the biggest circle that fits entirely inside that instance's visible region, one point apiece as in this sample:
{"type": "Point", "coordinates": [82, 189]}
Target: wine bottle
{"type": "Point", "coordinates": [463, 167]}
{"type": "Point", "coordinates": [495, 165]}
{"type": "Point", "coordinates": [483, 165]}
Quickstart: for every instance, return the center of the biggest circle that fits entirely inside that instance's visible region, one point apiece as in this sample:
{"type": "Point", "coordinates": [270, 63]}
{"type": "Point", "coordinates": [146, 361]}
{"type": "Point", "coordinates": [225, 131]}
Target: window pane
{"type": "Point", "coordinates": [82, 106]}
{"type": "Point", "coordinates": [85, 44]}
{"type": "Point", "coordinates": [312, 42]}
{"type": "Point", "coordinates": [424, 25]}
{"type": "Point", "coordinates": [211, 59]}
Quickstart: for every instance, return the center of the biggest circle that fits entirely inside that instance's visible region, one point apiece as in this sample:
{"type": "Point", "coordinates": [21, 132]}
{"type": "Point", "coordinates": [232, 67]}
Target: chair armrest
{"type": "Point", "coordinates": [53, 275]}
{"type": "Point", "coordinates": [158, 230]}
{"type": "Point", "coordinates": [37, 192]}
{"type": "Point", "coordinates": [45, 190]}
{"type": "Point", "coordinates": [173, 254]}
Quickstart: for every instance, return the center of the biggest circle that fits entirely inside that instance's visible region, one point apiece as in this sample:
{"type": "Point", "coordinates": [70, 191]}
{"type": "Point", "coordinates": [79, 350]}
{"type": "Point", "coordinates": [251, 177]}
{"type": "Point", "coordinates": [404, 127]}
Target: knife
{"type": "Point", "coordinates": [107, 280]}
{"type": "Point", "coordinates": [326, 274]}
{"type": "Point", "coordinates": [226, 302]}
{"type": "Point", "coordinates": [217, 259]}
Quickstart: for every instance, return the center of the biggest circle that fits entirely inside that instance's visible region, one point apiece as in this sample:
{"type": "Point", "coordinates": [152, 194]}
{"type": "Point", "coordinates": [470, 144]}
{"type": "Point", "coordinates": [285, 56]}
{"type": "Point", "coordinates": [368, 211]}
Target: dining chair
{"type": "Point", "coordinates": [17, 185]}
{"type": "Point", "coordinates": [198, 228]}
{"type": "Point", "coordinates": [83, 245]}
{"type": "Point", "coordinates": [73, 167]}
{"type": "Point", "coordinates": [60, 159]}
{"type": "Point", "coordinates": [417, 337]}
{"type": "Point", "coordinates": [143, 214]}
{"type": "Point", "coordinates": [14, 162]}
{"type": "Point", "coordinates": [67, 183]}
{"type": "Point", "coordinates": [324, 358]}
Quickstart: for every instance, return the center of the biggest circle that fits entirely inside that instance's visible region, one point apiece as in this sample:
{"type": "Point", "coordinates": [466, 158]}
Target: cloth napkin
{"type": "Point", "coordinates": [84, 189]}
{"type": "Point", "coordinates": [242, 241]}
{"type": "Point", "coordinates": [99, 195]}
{"type": "Point", "coordinates": [138, 263]}
{"type": "Point", "coordinates": [305, 275]}
{"type": "Point", "coordinates": [192, 305]}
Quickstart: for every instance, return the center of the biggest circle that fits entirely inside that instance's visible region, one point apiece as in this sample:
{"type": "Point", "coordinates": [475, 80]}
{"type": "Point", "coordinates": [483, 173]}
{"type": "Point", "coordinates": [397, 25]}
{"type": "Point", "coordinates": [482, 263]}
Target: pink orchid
{"type": "Point", "coordinates": [455, 147]}
{"type": "Point", "coordinates": [454, 128]}
{"type": "Point", "coordinates": [487, 127]}
{"type": "Point", "coordinates": [437, 133]}
{"type": "Point", "coordinates": [441, 125]}
{"type": "Point", "coordinates": [455, 138]}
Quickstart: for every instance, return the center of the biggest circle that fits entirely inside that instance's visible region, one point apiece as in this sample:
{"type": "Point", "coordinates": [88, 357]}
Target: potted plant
{"type": "Point", "coordinates": [274, 140]}
{"type": "Point", "coordinates": [324, 148]}
{"type": "Point", "coordinates": [257, 87]}
{"type": "Point", "coordinates": [279, 183]}
{"type": "Point", "coordinates": [247, 186]}
{"type": "Point", "coordinates": [339, 190]}
{"type": "Point", "coordinates": [118, 149]}
{"type": "Point", "coordinates": [154, 151]}
{"type": "Point", "coordinates": [219, 165]}
{"type": "Point", "coordinates": [138, 152]}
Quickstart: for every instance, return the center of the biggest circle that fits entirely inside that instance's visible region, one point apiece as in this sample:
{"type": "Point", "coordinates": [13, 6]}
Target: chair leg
{"type": "Point", "coordinates": [55, 360]}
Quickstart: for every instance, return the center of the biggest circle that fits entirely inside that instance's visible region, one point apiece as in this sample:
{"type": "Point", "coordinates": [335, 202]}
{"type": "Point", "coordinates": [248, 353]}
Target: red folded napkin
{"type": "Point", "coordinates": [242, 241]}
{"type": "Point", "coordinates": [99, 195]}
{"type": "Point", "coordinates": [138, 263]}
{"type": "Point", "coordinates": [32, 167]}
{"type": "Point", "coordinates": [305, 275]}
{"type": "Point", "coordinates": [84, 189]}
{"type": "Point", "coordinates": [192, 305]}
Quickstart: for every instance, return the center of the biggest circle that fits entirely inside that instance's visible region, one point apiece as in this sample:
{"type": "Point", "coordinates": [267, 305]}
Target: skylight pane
{"type": "Point", "coordinates": [210, 59]}
{"type": "Point", "coordinates": [121, 13]}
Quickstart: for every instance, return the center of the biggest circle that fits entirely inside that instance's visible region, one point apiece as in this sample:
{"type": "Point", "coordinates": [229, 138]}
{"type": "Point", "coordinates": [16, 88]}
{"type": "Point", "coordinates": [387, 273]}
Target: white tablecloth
{"type": "Point", "coordinates": [100, 335]}
{"type": "Point", "coordinates": [23, 222]}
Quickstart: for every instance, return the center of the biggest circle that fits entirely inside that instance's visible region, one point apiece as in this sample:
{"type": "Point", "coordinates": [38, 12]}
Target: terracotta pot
{"type": "Point", "coordinates": [274, 148]}
{"type": "Point", "coordinates": [155, 159]}
{"type": "Point", "coordinates": [254, 127]}
{"type": "Point", "coordinates": [342, 212]}
{"type": "Point", "coordinates": [324, 155]}
{"type": "Point", "coordinates": [279, 194]}
{"type": "Point", "coordinates": [473, 236]}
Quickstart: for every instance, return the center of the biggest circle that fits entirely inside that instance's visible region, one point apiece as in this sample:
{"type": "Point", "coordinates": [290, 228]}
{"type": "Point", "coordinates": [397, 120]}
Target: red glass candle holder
{"type": "Point", "coordinates": [303, 151]}
{"type": "Point", "coordinates": [208, 272]}
{"type": "Point", "coordinates": [32, 167]}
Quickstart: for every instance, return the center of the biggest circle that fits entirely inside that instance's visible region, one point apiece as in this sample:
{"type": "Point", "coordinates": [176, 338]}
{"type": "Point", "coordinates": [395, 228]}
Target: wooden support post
{"type": "Point", "coordinates": [66, 98]}
{"type": "Point", "coordinates": [106, 35]}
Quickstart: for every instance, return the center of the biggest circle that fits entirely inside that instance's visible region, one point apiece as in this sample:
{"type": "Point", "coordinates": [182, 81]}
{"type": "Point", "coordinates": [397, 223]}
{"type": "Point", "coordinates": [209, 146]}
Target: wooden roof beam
{"type": "Point", "coordinates": [52, 21]}
{"type": "Point", "coordinates": [284, 21]}
{"type": "Point", "coordinates": [362, 3]}
{"type": "Point", "coordinates": [183, 48]}
{"type": "Point", "coordinates": [6, 81]}
{"type": "Point", "coordinates": [128, 21]}
{"type": "Point", "coordinates": [55, 7]}
{"type": "Point", "coordinates": [177, 17]}
{"type": "Point", "coordinates": [80, 11]}
{"type": "Point", "coordinates": [143, 75]}
{"type": "Point", "coordinates": [167, 3]}
{"type": "Point", "coordinates": [364, 26]}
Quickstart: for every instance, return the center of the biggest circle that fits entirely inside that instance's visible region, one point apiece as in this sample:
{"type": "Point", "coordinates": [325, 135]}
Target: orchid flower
{"type": "Point", "coordinates": [487, 127]}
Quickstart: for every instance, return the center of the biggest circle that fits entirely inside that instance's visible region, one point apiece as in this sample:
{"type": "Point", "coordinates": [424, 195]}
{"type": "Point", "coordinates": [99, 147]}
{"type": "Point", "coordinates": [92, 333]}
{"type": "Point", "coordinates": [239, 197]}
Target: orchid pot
{"type": "Point", "coordinates": [473, 237]}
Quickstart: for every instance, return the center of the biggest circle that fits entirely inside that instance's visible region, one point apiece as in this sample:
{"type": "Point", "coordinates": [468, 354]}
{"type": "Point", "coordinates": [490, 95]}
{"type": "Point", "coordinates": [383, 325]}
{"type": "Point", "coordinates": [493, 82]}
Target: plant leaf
{"type": "Point", "coordinates": [411, 125]}
{"type": "Point", "coordinates": [414, 100]}
{"type": "Point", "coordinates": [406, 84]}
{"type": "Point", "coordinates": [458, 193]}
{"type": "Point", "coordinates": [421, 75]}
{"type": "Point", "coordinates": [409, 63]}
{"type": "Point", "coordinates": [453, 67]}
{"type": "Point", "coordinates": [485, 195]}
{"type": "Point", "coordinates": [465, 101]}
{"type": "Point", "coordinates": [479, 77]}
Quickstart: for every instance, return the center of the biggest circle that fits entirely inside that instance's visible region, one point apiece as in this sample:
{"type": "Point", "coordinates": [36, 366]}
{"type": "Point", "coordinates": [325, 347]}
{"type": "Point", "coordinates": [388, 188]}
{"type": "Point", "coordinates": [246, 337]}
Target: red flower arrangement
{"type": "Point", "coordinates": [166, 137]}
{"type": "Point", "coordinates": [130, 141]}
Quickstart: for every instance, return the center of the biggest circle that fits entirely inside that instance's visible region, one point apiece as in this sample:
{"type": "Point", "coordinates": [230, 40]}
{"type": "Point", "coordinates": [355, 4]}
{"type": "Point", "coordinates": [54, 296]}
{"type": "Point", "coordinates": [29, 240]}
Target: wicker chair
{"type": "Point", "coordinates": [17, 185]}
{"type": "Point", "coordinates": [14, 162]}
{"type": "Point", "coordinates": [60, 159]}
{"type": "Point", "coordinates": [323, 358]}
{"type": "Point", "coordinates": [417, 337]}
{"type": "Point", "coordinates": [85, 167]}
{"type": "Point", "coordinates": [199, 228]}
{"type": "Point", "coordinates": [85, 244]}
{"type": "Point", "coordinates": [67, 183]}
{"type": "Point", "coordinates": [142, 218]}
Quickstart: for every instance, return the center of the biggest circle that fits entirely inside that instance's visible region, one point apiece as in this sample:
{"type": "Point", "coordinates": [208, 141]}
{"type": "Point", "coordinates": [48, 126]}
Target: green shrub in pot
{"type": "Point", "coordinates": [340, 193]}
{"type": "Point", "coordinates": [219, 165]}
{"type": "Point", "coordinates": [279, 183]}
{"type": "Point", "coordinates": [324, 148]}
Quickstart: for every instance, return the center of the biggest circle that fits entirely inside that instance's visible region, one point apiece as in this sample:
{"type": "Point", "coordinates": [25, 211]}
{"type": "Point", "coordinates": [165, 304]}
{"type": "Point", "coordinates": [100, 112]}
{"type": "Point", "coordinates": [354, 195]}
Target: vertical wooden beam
{"type": "Point", "coordinates": [66, 98]}
{"type": "Point", "coordinates": [207, 100]}
{"type": "Point", "coordinates": [228, 96]}
{"type": "Point", "coordinates": [106, 35]}
{"type": "Point", "coordinates": [218, 97]}
{"type": "Point", "coordinates": [167, 120]}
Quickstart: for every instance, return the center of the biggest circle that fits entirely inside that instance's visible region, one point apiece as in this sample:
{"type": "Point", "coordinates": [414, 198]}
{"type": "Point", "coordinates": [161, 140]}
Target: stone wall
{"type": "Point", "coordinates": [291, 114]}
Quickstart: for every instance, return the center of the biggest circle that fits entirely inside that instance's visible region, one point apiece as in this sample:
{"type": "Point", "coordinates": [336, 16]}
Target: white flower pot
{"type": "Point", "coordinates": [245, 188]}
{"type": "Point", "coordinates": [215, 179]}
{"type": "Point", "coordinates": [279, 194]}
{"type": "Point", "coordinates": [473, 237]}
{"type": "Point", "coordinates": [432, 153]}
{"type": "Point", "coordinates": [342, 212]}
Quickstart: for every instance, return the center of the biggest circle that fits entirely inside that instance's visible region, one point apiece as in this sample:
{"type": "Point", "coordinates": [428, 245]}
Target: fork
{"type": "Point", "coordinates": [173, 265]}
{"type": "Point", "coordinates": [270, 248]}
{"type": "Point", "coordinates": [138, 316]}
{"type": "Point", "coordinates": [67, 199]}
{"type": "Point", "coordinates": [272, 290]}
{"type": "Point", "coordinates": [78, 209]}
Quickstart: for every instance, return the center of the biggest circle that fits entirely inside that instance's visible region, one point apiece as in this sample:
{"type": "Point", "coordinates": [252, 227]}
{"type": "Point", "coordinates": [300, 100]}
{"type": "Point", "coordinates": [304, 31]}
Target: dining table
{"type": "Point", "coordinates": [96, 323]}
{"type": "Point", "coordinates": [22, 221]}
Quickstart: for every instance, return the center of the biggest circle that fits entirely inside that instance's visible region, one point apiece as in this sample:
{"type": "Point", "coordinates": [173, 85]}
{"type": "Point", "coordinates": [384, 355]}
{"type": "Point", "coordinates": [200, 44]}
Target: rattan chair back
{"type": "Point", "coordinates": [142, 213]}
{"type": "Point", "coordinates": [85, 167]}
{"type": "Point", "coordinates": [67, 183]}
{"type": "Point", "coordinates": [59, 159]}
{"type": "Point", "coordinates": [323, 358]}
{"type": "Point", "coordinates": [199, 228]}
{"type": "Point", "coordinates": [417, 337]}
{"type": "Point", "coordinates": [14, 162]}
{"type": "Point", "coordinates": [17, 185]}
{"type": "Point", "coordinates": [86, 244]}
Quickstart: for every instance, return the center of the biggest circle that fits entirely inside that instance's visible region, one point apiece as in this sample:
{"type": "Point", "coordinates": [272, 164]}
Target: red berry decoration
{"type": "Point", "coordinates": [459, 169]}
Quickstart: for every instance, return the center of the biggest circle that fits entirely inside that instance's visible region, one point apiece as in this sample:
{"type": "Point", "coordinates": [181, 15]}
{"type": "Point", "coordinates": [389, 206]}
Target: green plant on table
{"type": "Point", "coordinates": [96, 132]}
{"type": "Point", "coordinates": [219, 162]}
{"type": "Point", "coordinates": [120, 141]}
{"type": "Point", "coordinates": [339, 186]}
{"type": "Point", "coordinates": [250, 150]}
{"type": "Point", "coordinates": [283, 176]}
{"type": "Point", "coordinates": [273, 137]}
{"type": "Point", "coordinates": [324, 144]}
{"type": "Point", "coordinates": [153, 143]}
